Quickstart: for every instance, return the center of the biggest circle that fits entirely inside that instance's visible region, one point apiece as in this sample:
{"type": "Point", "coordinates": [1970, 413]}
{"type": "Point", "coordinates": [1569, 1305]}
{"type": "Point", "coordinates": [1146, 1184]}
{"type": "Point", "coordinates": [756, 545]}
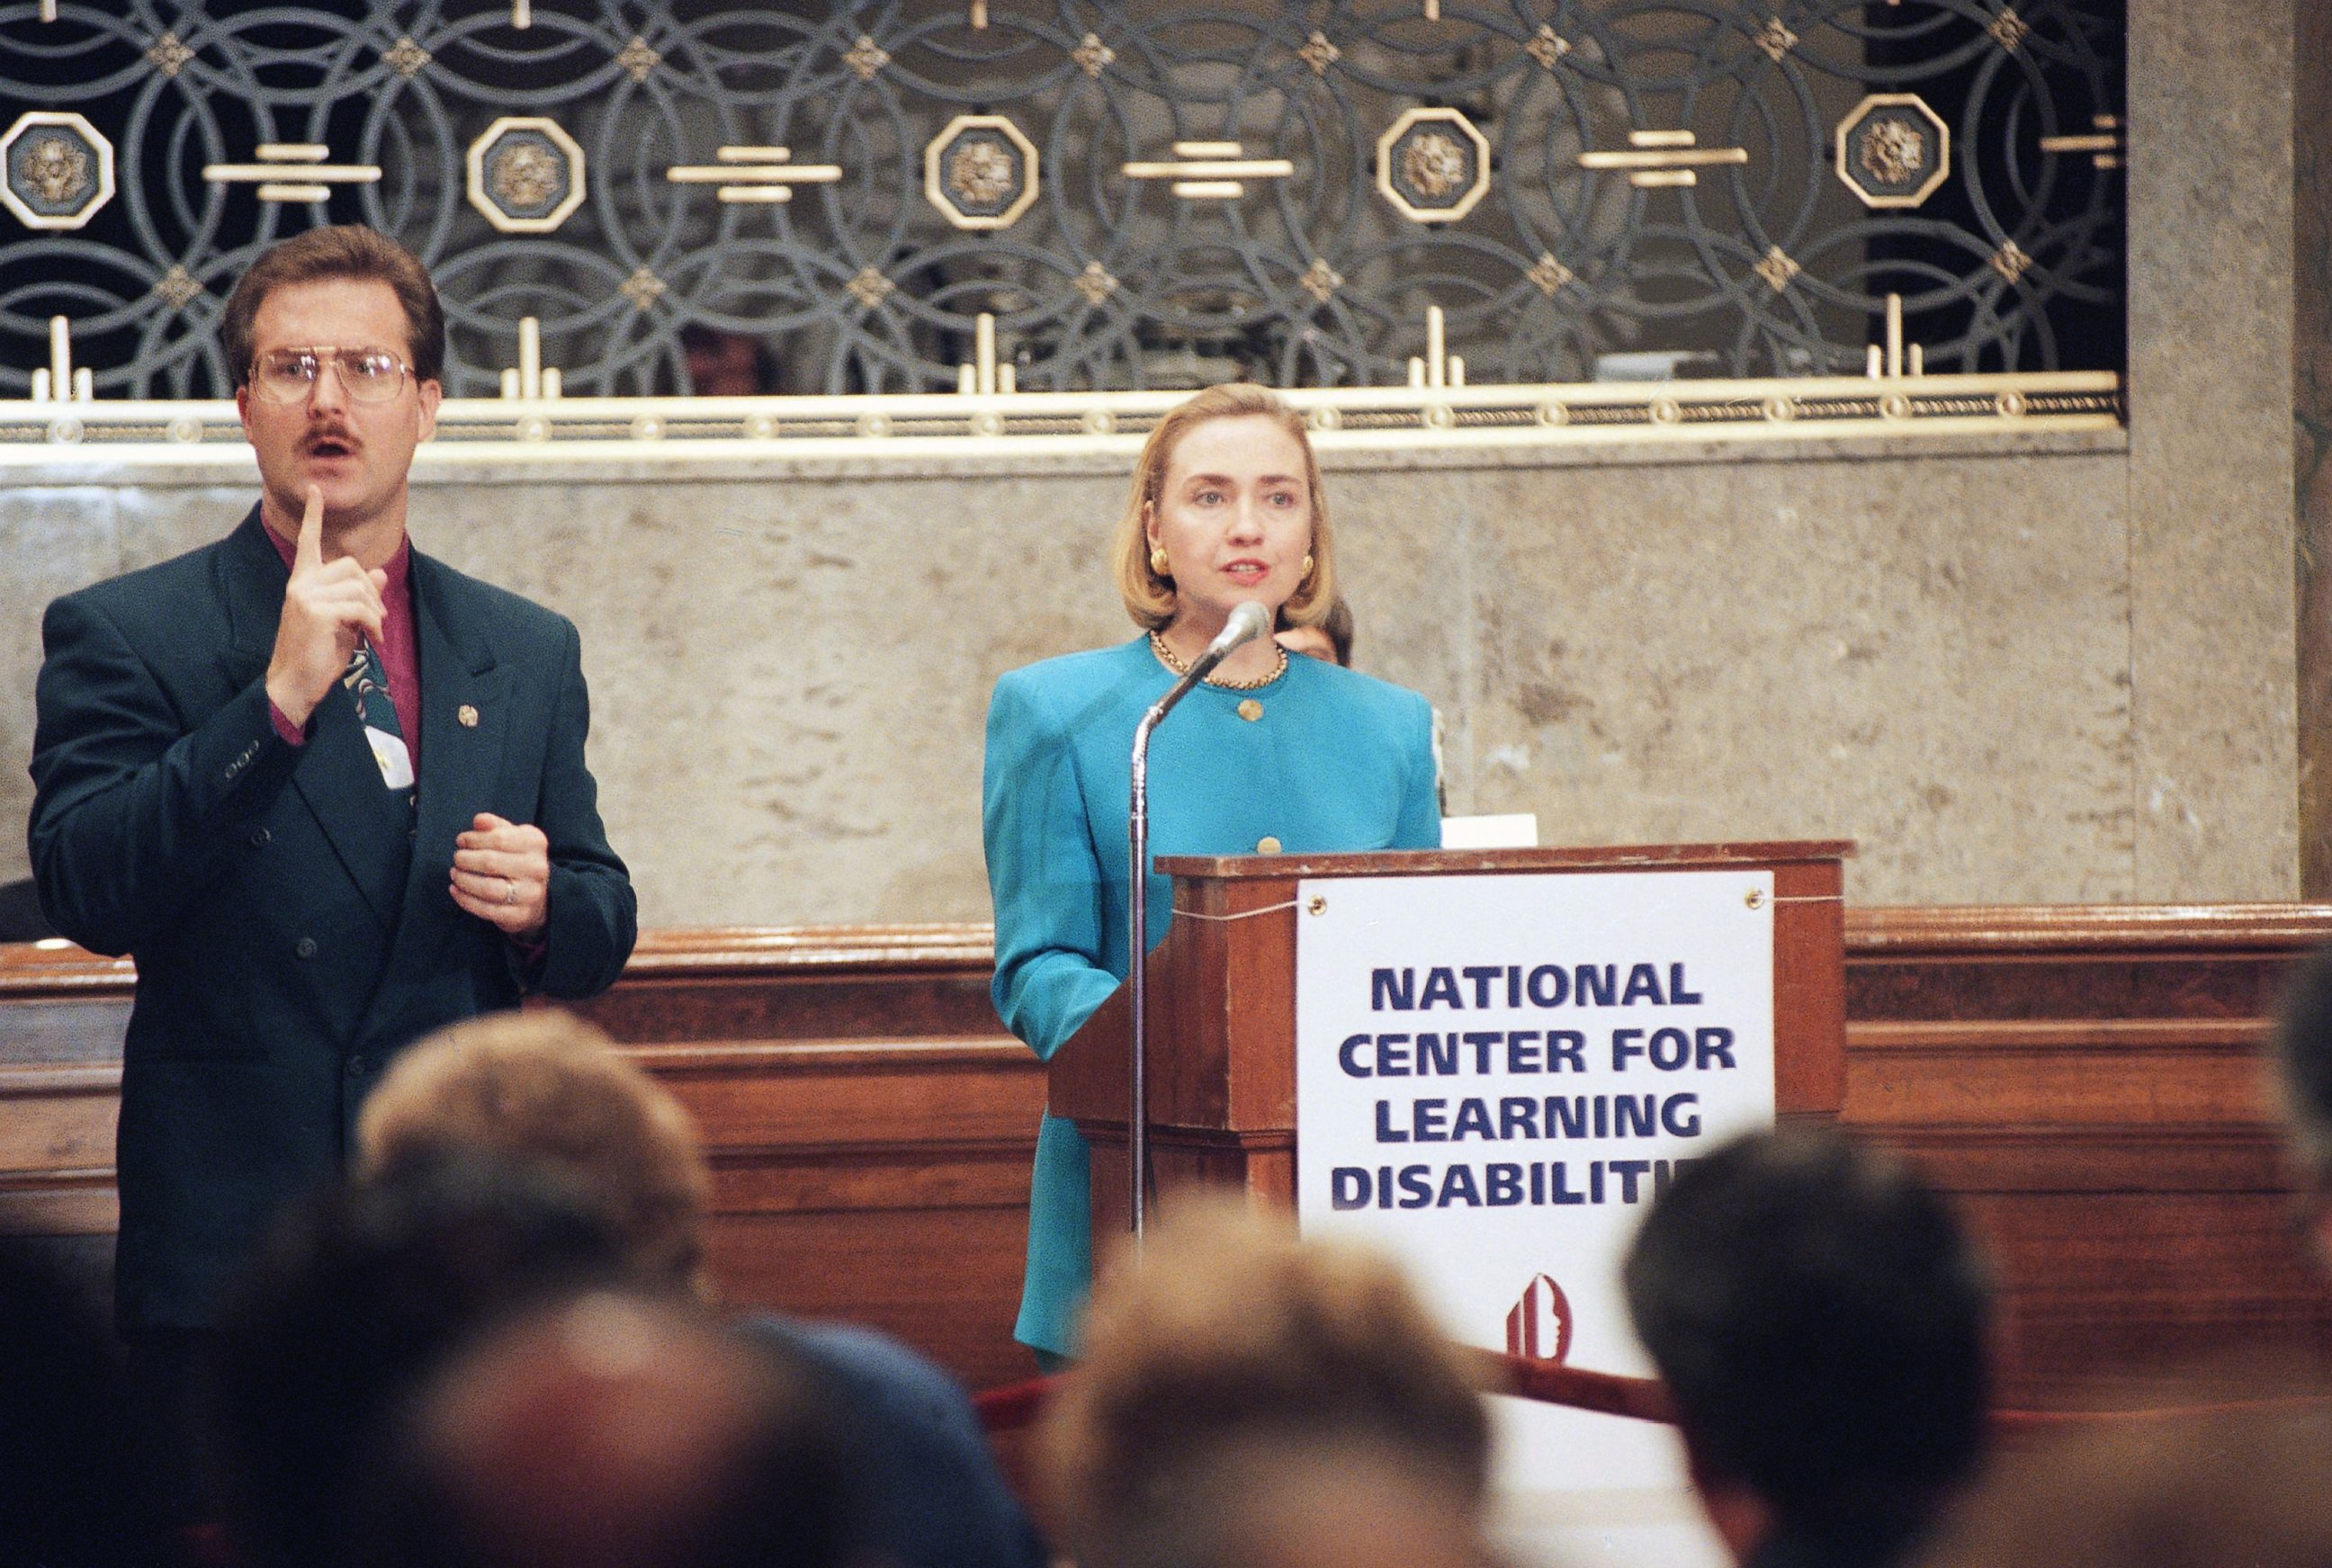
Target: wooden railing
{"type": "Point", "coordinates": [2085, 1080]}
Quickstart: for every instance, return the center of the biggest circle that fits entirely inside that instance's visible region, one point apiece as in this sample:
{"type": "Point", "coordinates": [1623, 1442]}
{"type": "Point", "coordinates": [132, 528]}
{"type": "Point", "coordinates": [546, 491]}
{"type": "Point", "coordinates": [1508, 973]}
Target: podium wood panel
{"type": "Point", "coordinates": [1221, 1068]}
{"type": "Point", "coordinates": [2084, 1080]}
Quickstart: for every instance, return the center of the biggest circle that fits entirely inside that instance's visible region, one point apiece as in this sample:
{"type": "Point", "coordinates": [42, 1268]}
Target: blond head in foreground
{"type": "Point", "coordinates": [1231, 1335]}
{"type": "Point", "coordinates": [548, 1088]}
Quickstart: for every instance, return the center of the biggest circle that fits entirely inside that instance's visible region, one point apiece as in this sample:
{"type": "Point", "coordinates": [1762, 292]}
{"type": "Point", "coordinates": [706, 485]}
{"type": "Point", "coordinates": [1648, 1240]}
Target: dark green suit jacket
{"type": "Point", "coordinates": [288, 913]}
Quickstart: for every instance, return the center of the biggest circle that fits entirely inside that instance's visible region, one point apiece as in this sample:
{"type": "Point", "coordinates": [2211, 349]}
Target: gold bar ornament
{"type": "Point", "coordinates": [2104, 146]}
{"type": "Point", "coordinates": [1658, 158]}
{"type": "Point", "coordinates": [754, 174]}
{"type": "Point", "coordinates": [305, 160]}
{"type": "Point", "coordinates": [985, 376]}
{"type": "Point", "coordinates": [1211, 171]}
{"type": "Point", "coordinates": [1439, 369]}
{"type": "Point", "coordinates": [1894, 361]}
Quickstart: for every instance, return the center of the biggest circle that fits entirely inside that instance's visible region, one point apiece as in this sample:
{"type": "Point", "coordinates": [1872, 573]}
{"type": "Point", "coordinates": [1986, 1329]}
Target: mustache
{"type": "Point", "coordinates": [334, 435]}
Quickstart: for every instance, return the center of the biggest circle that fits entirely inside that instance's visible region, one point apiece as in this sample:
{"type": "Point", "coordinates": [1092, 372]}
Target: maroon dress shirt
{"type": "Point", "coordinates": [398, 659]}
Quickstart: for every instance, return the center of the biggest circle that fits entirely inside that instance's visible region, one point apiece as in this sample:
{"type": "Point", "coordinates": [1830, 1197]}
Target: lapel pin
{"type": "Point", "coordinates": [467, 716]}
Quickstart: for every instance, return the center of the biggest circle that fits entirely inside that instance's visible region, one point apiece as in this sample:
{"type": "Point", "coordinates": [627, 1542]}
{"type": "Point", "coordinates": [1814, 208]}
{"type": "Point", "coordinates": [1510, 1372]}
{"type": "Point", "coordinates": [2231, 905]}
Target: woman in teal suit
{"type": "Point", "coordinates": [1270, 755]}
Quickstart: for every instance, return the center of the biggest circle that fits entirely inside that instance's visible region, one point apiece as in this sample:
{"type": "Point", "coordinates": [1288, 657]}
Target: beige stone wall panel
{"type": "Point", "coordinates": [2212, 616]}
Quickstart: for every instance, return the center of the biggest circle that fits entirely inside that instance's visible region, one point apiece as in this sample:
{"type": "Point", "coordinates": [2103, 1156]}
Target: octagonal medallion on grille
{"type": "Point", "coordinates": [1433, 164]}
{"type": "Point", "coordinates": [1892, 151]}
{"type": "Point", "coordinates": [525, 174]}
{"type": "Point", "coordinates": [59, 170]}
{"type": "Point", "coordinates": [981, 172]}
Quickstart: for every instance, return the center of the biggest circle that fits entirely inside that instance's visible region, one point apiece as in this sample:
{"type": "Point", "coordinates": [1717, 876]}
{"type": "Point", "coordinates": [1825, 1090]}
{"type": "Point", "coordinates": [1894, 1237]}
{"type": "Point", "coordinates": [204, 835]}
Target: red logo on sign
{"type": "Point", "coordinates": [1539, 1325]}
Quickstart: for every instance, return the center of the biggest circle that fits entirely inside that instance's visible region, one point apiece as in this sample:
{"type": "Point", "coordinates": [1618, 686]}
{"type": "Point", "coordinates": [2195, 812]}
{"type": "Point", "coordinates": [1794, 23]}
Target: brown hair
{"type": "Point", "coordinates": [1149, 596]}
{"type": "Point", "coordinates": [344, 250]}
{"type": "Point", "coordinates": [549, 1088]}
{"type": "Point", "coordinates": [1228, 1329]}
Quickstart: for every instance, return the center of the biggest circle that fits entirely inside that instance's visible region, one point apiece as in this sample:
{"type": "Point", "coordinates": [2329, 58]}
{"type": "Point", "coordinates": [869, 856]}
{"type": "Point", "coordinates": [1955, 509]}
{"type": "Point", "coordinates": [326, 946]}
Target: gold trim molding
{"type": "Point", "coordinates": [909, 427]}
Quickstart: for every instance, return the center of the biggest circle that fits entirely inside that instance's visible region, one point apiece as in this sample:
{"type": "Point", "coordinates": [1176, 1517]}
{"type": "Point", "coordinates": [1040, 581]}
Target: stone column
{"type": "Point", "coordinates": [2213, 750]}
{"type": "Point", "coordinates": [2311, 419]}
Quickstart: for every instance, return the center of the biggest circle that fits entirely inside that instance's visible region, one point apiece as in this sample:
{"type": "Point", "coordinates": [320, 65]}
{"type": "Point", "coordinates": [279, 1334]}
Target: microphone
{"type": "Point", "coordinates": [1247, 622]}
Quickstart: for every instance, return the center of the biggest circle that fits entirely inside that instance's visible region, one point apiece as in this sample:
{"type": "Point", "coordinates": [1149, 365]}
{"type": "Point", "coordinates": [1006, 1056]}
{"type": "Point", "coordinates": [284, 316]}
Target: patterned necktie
{"type": "Point", "coordinates": [367, 683]}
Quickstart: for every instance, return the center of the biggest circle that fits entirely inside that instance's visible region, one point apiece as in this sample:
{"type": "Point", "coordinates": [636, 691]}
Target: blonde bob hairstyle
{"type": "Point", "coordinates": [1149, 596]}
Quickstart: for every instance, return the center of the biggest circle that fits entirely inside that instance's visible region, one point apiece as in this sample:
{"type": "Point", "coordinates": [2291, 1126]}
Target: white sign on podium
{"type": "Point", "coordinates": [1494, 1076]}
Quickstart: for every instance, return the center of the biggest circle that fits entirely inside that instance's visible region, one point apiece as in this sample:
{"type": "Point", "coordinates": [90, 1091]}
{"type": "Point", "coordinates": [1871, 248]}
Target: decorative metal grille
{"type": "Point", "coordinates": [827, 198]}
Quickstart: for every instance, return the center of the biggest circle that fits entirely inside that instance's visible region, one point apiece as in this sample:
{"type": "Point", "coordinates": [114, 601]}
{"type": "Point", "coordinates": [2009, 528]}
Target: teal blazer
{"type": "Point", "coordinates": [1335, 761]}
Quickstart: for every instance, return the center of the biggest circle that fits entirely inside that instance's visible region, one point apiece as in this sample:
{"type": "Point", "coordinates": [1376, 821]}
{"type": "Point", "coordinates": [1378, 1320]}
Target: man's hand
{"type": "Point", "coordinates": [501, 874]}
{"type": "Point", "coordinates": [325, 605]}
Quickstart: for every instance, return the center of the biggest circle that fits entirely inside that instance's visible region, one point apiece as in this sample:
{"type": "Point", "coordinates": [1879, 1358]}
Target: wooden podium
{"type": "Point", "coordinates": [1223, 1004]}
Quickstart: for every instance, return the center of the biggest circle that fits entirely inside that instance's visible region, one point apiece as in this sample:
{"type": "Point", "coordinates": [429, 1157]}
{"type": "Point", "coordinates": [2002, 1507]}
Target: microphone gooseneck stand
{"type": "Point", "coordinates": [1247, 622]}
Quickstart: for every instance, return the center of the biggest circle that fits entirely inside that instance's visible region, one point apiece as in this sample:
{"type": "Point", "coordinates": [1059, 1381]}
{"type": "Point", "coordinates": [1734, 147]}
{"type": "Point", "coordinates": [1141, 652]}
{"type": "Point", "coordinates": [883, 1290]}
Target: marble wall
{"type": "Point", "coordinates": [2039, 676]}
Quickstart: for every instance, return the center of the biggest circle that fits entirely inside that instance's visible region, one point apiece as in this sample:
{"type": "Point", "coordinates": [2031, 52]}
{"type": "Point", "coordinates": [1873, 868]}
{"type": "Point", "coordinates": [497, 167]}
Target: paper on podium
{"type": "Point", "coordinates": [1513, 830]}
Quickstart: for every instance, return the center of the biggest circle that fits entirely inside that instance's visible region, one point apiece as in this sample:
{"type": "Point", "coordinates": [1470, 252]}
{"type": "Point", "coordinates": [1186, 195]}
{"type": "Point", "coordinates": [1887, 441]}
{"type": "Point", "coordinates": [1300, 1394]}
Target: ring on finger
{"type": "Point", "coordinates": [510, 891]}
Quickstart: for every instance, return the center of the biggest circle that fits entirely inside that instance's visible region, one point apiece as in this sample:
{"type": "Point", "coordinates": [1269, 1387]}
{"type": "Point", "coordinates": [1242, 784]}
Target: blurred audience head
{"type": "Point", "coordinates": [1331, 640]}
{"type": "Point", "coordinates": [614, 1430]}
{"type": "Point", "coordinates": [352, 1301]}
{"type": "Point", "coordinates": [549, 1088]}
{"type": "Point", "coordinates": [1822, 1324]}
{"type": "Point", "coordinates": [2244, 1487]}
{"type": "Point", "coordinates": [2303, 1061]}
{"type": "Point", "coordinates": [70, 1491]}
{"type": "Point", "coordinates": [1229, 1337]}
{"type": "Point", "coordinates": [1357, 1502]}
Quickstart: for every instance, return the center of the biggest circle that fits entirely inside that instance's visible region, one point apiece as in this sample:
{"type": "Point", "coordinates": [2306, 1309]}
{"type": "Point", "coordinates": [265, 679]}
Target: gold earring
{"type": "Point", "coordinates": [1158, 560]}
{"type": "Point", "coordinates": [1308, 566]}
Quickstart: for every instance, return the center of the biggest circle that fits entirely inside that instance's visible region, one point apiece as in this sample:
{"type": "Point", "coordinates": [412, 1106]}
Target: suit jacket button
{"type": "Point", "coordinates": [355, 1066]}
{"type": "Point", "coordinates": [304, 948]}
{"type": "Point", "coordinates": [259, 837]}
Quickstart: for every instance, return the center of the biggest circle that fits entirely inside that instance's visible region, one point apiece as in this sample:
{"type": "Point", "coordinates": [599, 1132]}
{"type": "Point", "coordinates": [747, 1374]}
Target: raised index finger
{"type": "Point", "coordinates": [308, 554]}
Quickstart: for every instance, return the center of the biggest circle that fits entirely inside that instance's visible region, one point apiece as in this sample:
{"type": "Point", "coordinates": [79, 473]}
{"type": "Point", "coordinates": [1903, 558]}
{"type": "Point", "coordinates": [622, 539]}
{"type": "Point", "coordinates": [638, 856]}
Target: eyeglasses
{"type": "Point", "coordinates": [366, 375]}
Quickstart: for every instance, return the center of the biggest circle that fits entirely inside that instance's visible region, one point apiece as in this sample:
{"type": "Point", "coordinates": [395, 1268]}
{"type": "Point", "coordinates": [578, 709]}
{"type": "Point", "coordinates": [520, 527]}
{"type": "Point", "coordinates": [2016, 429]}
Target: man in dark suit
{"type": "Point", "coordinates": [329, 793]}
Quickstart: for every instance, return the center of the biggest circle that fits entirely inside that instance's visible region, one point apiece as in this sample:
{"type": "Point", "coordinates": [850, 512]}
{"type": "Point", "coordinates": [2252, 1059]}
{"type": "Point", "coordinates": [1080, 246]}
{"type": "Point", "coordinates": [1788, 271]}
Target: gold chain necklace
{"type": "Point", "coordinates": [1168, 657]}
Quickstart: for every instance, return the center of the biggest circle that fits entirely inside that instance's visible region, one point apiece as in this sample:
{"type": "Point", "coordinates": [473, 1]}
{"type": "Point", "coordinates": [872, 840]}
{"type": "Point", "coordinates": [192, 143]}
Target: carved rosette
{"type": "Point", "coordinates": [59, 170]}
{"type": "Point", "coordinates": [981, 172]}
{"type": "Point", "coordinates": [1892, 151]}
{"type": "Point", "coordinates": [1433, 166]}
{"type": "Point", "coordinates": [526, 175]}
